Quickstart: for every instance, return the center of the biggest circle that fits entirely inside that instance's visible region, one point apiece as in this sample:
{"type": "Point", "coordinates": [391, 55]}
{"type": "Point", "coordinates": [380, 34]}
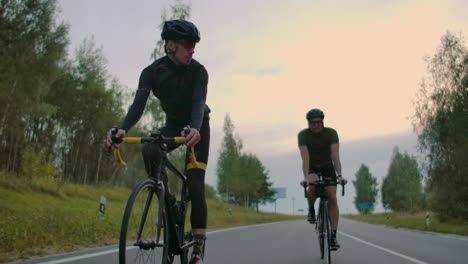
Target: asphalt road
{"type": "Point", "coordinates": [295, 242]}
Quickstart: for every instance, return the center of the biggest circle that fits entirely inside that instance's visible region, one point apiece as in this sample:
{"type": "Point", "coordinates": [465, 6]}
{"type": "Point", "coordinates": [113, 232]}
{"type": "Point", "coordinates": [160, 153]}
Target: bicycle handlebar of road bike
{"type": "Point", "coordinates": [159, 139]}
{"type": "Point", "coordinates": [324, 183]}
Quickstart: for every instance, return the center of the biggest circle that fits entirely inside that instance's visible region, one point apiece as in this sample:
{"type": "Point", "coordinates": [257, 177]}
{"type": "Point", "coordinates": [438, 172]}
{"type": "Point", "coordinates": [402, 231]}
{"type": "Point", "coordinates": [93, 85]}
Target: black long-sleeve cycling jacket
{"type": "Point", "coordinates": [181, 89]}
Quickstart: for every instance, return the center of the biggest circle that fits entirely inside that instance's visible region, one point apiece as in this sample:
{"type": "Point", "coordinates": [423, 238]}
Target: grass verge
{"type": "Point", "coordinates": [40, 218]}
{"type": "Point", "coordinates": [415, 221]}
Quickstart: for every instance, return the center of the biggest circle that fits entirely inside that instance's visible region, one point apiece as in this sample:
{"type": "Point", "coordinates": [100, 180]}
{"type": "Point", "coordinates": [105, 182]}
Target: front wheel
{"type": "Point", "coordinates": [319, 228]}
{"type": "Point", "coordinates": [327, 238]}
{"type": "Point", "coordinates": [143, 235]}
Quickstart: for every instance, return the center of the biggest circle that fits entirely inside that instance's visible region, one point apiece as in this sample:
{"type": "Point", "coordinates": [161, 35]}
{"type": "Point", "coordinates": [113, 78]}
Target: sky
{"type": "Point", "coordinates": [270, 61]}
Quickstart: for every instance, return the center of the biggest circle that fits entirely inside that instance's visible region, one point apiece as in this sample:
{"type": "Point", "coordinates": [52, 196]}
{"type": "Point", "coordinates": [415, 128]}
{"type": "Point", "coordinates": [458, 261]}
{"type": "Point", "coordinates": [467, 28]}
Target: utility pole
{"type": "Point", "coordinates": [293, 204]}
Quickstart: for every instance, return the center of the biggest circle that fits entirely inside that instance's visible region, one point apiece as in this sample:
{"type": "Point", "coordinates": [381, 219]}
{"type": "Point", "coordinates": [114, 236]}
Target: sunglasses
{"type": "Point", "coordinates": [316, 122]}
{"type": "Point", "coordinates": [187, 44]}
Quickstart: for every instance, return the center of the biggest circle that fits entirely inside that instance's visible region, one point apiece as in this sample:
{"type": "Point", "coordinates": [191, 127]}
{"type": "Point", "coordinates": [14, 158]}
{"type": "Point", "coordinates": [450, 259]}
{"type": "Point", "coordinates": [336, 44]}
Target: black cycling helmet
{"type": "Point", "coordinates": [315, 113]}
{"type": "Point", "coordinates": [180, 29]}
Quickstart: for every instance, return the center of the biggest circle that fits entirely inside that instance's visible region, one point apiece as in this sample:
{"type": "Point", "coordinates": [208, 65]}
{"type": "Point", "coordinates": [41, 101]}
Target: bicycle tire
{"type": "Point", "coordinates": [141, 209]}
{"type": "Point", "coordinates": [320, 230]}
{"type": "Point", "coordinates": [327, 236]}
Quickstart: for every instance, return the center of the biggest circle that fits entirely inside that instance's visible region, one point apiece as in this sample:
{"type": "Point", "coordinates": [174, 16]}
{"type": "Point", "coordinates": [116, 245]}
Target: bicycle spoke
{"type": "Point", "coordinates": [141, 235]}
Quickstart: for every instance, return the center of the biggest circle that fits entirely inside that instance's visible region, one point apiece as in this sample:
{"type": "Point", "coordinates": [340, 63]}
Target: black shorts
{"type": "Point", "coordinates": [327, 171]}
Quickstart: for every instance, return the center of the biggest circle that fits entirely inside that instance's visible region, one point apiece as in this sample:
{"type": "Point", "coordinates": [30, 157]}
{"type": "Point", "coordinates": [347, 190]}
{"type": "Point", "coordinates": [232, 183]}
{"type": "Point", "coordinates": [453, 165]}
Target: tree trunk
{"type": "Point", "coordinates": [85, 173]}
{"type": "Point", "coordinates": [114, 175]}
{"type": "Point", "coordinates": [15, 155]}
{"type": "Point", "coordinates": [98, 167]}
{"type": "Point", "coordinates": [2, 124]}
{"type": "Point", "coordinates": [75, 163]}
{"type": "Point", "coordinates": [10, 155]}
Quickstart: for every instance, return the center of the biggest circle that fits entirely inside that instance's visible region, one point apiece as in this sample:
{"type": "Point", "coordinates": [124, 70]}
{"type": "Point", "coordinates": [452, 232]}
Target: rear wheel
{"type": "Point", "coordinates": [143, 235]}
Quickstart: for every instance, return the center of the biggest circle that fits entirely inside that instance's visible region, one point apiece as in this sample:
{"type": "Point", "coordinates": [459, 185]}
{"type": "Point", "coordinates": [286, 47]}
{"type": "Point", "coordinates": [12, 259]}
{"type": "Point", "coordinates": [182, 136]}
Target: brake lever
{"type": "Point", "coordinates": [186, 130]}
{"type": "Point", "coordinates": [114, 131]}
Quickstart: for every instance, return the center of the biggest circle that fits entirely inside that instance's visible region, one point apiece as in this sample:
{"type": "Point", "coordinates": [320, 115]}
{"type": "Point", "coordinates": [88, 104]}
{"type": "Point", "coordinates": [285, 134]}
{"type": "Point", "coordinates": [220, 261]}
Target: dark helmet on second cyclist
{"type": "Point", "coordinates": [315, 113]}
{"type": "Point", "coordinates": [180, 29]}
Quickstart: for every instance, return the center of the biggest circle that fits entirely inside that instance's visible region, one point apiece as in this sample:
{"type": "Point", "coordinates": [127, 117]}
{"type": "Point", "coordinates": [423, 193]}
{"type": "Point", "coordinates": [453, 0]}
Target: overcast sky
{"type": "Point", "coordinates": [270, 61]}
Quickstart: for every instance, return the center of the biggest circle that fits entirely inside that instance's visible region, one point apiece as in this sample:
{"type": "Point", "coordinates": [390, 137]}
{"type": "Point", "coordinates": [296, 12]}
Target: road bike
{"type": "Point", "coordinates": [322, 226]}
{"type": "Point", "coordinates": [154, 219]}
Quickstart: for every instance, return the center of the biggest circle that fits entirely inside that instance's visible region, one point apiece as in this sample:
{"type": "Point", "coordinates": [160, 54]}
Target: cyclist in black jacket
{"type": "Point", "coordinates": [180, 84]}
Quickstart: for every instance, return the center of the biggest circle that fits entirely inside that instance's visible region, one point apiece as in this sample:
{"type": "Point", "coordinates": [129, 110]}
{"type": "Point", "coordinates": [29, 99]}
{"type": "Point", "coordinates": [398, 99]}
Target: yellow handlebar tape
{"type": "Point", "coordinates": [119, 158]}
{"type": "Point", "coordinates": [132, 140]}
{"type": "Point", "coordinates": [194, 164]}
{"type": "Point", "coordinates": [179, 140]}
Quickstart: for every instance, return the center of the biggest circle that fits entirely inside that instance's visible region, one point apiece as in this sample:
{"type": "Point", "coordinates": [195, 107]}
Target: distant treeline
{"type": "Point", "coordinates": [441, 122]}
{"type": "Point", "coordinates": [55, 111]}
{"type": "Point", "coordinates": [56, 108]}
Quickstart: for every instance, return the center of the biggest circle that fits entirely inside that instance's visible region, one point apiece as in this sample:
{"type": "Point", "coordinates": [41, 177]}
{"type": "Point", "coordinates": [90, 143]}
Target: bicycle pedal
{"type": "Point", "coordinates": [188, 236]}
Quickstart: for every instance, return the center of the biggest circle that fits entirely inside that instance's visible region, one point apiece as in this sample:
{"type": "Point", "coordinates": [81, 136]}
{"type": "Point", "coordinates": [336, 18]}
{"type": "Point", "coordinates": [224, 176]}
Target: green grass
{"type": "Point", "coordinates": [40, 218]}
{"type": "Point", "coordinates": [415, 221]}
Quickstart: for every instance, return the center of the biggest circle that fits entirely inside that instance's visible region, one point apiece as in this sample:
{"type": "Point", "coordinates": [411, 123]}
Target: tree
{"type": "Point", "coordinates": [32, 48]}
{"type": "Point", "coordinates": [87, 105]}
{"type": "Point", "coordinates": [366, 189]}
{"type": "Point", "coordinates": [210, 192]}
{"type": "Point", "coordinates": [402, 188]}
{"type": "Point", "coordinates": [261, 191]}
{"type": "Point", "coordinates": [441, 121]}
{"type": "Point", "coordinates": [242, 178]}
{"type": "Point", "coordinates": [228, 160]}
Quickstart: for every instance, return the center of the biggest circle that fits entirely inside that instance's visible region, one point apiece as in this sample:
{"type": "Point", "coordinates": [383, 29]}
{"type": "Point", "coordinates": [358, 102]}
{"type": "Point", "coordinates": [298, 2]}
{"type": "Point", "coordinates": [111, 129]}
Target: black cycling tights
{"type": "Point", "coordinates": [195, 177]}
{"type": "Point", "coordinates": [196, 186]}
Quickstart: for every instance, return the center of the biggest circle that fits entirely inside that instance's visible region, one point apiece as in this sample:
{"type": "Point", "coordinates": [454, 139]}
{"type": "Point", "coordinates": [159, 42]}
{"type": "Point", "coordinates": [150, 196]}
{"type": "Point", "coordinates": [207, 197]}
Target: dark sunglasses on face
{"type": "Point", "coordinates": [316, 122]}
{"type": "Point", "coordinates": [187, 44]}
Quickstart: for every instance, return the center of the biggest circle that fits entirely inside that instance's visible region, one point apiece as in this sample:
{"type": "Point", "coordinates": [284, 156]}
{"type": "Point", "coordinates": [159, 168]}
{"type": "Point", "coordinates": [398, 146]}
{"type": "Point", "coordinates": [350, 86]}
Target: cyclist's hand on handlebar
{"type": "Point", "coordinates": [342, 180]}
{"type": "Point", "coordinates": [309, 179]}
{"type": "Point", "coordinates": [312, 177]}
{"type": "Point", "coordinates": [192, 138]}
{"type": "Point", "coordinates": [120, 134]}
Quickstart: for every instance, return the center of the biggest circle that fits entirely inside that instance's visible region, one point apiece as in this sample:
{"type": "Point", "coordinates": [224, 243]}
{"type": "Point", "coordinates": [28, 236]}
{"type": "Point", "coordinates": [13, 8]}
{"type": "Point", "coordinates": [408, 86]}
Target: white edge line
{"type": "Point", "coordinates": [384, 249]}
{"type": "Point", "coordinates": [238, 227]}
{"type": "Point", "coordinates": [110, 251]}
{"type": "Point", "coordinates": [438, 234]}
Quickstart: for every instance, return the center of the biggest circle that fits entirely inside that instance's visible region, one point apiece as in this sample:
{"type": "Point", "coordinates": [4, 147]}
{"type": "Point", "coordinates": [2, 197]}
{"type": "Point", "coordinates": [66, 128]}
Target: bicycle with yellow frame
{"type": "Point", "coordinates": [154, 219]}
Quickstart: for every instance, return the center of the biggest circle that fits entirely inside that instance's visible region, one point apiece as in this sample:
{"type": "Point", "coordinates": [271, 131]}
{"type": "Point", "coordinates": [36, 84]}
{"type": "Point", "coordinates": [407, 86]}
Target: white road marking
{"type": "Point", "coordinates": [70, 259]}
{"type": "Point", "coordinates": [384, 249]}
{"type": "Point", "coordinates": [115, 250]}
